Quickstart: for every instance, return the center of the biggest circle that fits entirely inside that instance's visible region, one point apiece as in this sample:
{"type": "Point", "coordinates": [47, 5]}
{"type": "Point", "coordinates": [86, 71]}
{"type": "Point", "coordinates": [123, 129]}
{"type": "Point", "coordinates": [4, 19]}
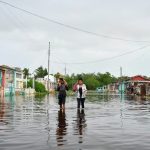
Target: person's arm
{"type": "Point", "coordinates": [75, 87]}
{"type": "Point", "coordinates": [85, 89]}
{"type": "Point", "coordinates": [66, 86]}
{"type": "Point", "coordinates": [58, 87]}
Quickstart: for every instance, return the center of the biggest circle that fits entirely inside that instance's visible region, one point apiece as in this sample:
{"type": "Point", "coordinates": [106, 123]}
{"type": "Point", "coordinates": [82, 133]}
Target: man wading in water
{"type": "Point", "coordinates": [81, 90]}
{"type": "Point", "coordinates": [62, 87]}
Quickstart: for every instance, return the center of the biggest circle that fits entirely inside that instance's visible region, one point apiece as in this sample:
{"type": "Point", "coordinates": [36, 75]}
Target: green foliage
{"type": "Point", "coordinates": [41, 72]}
{"type": "Point", "coordinates": [71, 80]}
{"type": "Point", "coordinates": [39, 87]}
{"type": "Point", "coordinates": [29, 84]}
{"type": "Point", "coordinates": [91, 80]}
{"type": "Point", "coordinates": [57, 75]}
{"type": "Point", "coordinates": [91, 83]}
{"type": "Point", "coordinates": [26, 73]}
{"type": "Point", "coordinates": [105, 79]}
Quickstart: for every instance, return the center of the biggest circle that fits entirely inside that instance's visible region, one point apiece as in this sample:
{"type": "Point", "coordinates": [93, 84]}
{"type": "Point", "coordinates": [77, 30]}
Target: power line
{"type": "Point", "coordinates": [109, 58]}
{"type": "Point", "coordinates": [69, 26]}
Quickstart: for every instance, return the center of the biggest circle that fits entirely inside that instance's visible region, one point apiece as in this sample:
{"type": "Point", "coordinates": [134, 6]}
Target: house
{"type": "Point", "coordinates": [138, 85]}
{"type": "Point", "coordinates": [102, 89]}
{"type": "Point", "coordinates": [2, 80]}
{"type": "Point", "coordinates": [18, 80]}
{"type": "Point", "coordinates": [44, 81]}
{"type": "Point", "coordinates": [11, 80]}
{"type": "Point", "coordinates": [7, 82]}
{"type": "Point", "coordinates": [111, 88]}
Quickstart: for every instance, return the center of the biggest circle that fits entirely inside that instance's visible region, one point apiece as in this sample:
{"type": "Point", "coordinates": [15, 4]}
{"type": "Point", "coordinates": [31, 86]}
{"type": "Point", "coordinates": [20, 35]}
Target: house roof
{"type": "Point", "coordinates": [4, 67]}
{"type": "Point", "coordinates": [139, 78]}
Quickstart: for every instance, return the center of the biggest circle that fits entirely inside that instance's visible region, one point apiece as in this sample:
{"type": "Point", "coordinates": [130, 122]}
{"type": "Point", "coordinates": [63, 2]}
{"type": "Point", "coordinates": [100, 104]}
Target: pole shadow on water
{"type": "Point", "coordinates": [61, 130]}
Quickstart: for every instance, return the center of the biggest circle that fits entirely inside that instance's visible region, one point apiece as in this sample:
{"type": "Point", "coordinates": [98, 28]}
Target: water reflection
{"type": "Point", "coordinates": [80, 125]}
{"type": "Point", "coordinates": [62, 127]}
{"type": "Point", "coordinates": [110, 122]}
{"type": "Point", "coordinates": [81, 121]}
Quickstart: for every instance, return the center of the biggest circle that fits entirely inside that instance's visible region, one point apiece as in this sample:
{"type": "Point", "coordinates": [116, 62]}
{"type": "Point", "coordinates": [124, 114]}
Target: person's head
{"type": "Point", "coordinates": [61, 80]}
{"type": "Point", "coordinates": [80, 81]}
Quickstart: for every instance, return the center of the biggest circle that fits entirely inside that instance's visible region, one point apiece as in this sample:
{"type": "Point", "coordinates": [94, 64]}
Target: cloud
{"type": "Point", "coordinates": [24, 38]}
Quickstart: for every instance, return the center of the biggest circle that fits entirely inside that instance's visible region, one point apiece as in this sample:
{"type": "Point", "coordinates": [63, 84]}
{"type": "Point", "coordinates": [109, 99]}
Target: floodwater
{"type": "Point", "coordinates": [107, 123]}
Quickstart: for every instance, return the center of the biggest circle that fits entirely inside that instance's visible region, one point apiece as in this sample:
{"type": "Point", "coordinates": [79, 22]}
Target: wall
{"type": "Point", "coordinates": [19, 82]}
{"type": "Point", "coordinates": [9, 82]}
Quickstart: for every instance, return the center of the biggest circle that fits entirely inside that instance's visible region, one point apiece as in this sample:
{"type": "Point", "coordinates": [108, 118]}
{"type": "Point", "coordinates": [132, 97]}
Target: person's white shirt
{"type": "Point", "coordinates": [84, 90]}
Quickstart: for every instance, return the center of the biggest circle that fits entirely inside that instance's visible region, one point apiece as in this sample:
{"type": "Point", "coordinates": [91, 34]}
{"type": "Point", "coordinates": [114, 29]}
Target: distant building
{"type": "Point", "coordinates": [18, 80]}
{"type": "Point", "coordinates": [11, 80]}
{"type": "Point", "coordinates": [44, 81]}
{"type": "Point", "coordinates": [138, 85]}
{"type": "Point", "coordinates": [110, 88]}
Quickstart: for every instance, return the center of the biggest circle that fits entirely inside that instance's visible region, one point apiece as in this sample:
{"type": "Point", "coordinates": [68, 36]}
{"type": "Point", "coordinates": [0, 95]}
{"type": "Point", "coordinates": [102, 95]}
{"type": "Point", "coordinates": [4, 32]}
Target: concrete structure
{"type": "Point", "coordinates": [138, 85]}
{"type": "Point", "coordinates": [18, 73]}
{"type": "Point", "coordinates": [110, 88]}
{"type": "Point", "coordinates": [11, 80]}
{"type": "Point", "coordinates": [18, 79]}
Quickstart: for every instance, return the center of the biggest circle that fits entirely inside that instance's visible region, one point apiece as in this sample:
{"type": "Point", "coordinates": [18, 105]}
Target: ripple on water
{"type": "Point", "coordinates": [107, 122]}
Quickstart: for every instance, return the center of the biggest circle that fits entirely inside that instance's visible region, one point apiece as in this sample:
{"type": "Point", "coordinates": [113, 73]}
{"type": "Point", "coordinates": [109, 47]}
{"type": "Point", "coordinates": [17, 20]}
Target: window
{"type": "Point", "coordinates": [18, 75]}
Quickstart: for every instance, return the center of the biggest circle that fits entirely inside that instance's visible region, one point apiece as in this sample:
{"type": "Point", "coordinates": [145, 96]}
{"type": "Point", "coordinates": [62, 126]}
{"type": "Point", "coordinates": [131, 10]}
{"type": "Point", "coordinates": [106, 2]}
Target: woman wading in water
{"type": "Point", "coordinates": [80, 89]}
{"type": "Point", "coordinates": [62, 88]}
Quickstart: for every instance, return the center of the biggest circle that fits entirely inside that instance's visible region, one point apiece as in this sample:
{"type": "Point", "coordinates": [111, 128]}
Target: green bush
{"type": "Point", "coordinates": [39, 87]}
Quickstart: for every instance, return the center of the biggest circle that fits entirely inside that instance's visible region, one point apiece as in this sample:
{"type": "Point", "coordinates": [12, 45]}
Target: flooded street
{"type": "Point", "coordinates": [108, 122]}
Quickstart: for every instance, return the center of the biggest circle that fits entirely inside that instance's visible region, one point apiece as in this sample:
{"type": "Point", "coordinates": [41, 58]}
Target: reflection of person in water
{"type": "Point", "coordinates": [61, 129]}
{"type": "Point", "coordinates": [80, 125]}
{"type": "Point", "coordinates": [81, 121]}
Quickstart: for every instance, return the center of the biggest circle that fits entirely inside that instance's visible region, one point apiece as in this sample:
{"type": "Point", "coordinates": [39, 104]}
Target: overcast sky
{"type": "Point", "coordinates": [24, 38]}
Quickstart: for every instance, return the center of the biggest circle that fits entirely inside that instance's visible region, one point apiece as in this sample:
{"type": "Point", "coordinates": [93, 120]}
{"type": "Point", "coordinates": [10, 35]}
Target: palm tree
{"type": "Point", "coordinates": [41, 72]}
{"type": "Point", "coordinates": [26, 73]}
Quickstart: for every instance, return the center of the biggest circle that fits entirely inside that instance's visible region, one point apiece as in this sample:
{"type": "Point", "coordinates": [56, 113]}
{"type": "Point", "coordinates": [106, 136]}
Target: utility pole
{"type": "Point", "coordinates": [65, 70]}
{"type": "Point", "coordinates": [48, 67]}
{"type": "Point", "coordinates": [121, 78]}
{"type": "Point", "coordinates": [26, 82]}
{"type": "Point", "coordinates": [33, 82]}
{"type": "Point", "coordinates": [120, 71]}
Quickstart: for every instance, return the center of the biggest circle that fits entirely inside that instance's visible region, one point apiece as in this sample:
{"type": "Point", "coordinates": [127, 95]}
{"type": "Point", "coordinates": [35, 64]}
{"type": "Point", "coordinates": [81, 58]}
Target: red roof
{"type": "Point", "coordinates": [139, 78]}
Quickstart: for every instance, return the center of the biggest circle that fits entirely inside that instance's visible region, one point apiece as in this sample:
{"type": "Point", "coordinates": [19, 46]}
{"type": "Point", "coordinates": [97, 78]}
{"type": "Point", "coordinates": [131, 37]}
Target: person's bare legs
{"type": "Point", "coordinates": [63, 106]}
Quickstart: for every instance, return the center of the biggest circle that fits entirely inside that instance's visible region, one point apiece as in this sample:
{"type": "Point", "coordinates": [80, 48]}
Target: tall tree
{"type": "Point", "coordinates": [26, 73]}
{"type": "Point", "coordinates": [41, 72]}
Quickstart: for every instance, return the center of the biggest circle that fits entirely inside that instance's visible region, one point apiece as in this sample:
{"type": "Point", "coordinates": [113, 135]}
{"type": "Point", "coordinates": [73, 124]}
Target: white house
{"type": "Point", "coordinates": [18, 80]}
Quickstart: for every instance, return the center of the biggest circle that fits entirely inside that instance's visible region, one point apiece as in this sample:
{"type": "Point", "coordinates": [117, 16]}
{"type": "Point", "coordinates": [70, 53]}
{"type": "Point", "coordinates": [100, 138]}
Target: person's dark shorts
{"type": "Point", "coordinates": [61, 99]}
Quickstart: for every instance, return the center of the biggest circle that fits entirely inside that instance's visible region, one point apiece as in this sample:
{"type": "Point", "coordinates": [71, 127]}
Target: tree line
{"type": "Point", "coordinates": [92, 80]}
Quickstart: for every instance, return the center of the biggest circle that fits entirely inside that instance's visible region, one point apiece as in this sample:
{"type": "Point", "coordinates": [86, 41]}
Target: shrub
{"type": "Point", "coordinates": [39, 87]}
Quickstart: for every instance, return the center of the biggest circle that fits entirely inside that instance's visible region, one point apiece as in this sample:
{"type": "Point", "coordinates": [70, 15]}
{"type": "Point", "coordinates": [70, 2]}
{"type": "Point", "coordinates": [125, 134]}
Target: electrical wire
{"type": "Point", "coordinates": [106, 59]}
{"type": "Point", "coordinates": [69, 26]}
